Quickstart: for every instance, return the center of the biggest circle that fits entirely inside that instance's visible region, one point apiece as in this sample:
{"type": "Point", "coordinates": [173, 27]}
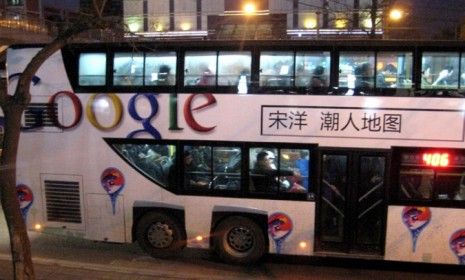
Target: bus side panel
{"type": "Point", "coordinates": [432, 233]}
{"type": "Point", "coordinates": [295, 238]}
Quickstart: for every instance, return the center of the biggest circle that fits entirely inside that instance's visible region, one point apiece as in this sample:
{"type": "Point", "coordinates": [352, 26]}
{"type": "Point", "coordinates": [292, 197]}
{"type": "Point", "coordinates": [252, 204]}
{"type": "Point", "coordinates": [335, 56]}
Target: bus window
{"type": "Point", "coordinates": [92, 69]}
{"type": "Point", "coordinates": [197, 163]}
{"type": "Point", "coordinates": [416, 184]}
{"type": "Point", "coordinates": [462, 72]}
{"type": "Point", "coordinates": [128, 69]}
{"type": "Point", "coordinates": [227, 172]}
{"type": "Point", "coordinates": [233, 65]}
{"type": "Point", "coordinates": [276, 69]}
{"type": "Point", "coordinates": [450, 185]}
{"type": "Point", "coordinates": [160, 69]}
{"type": "Point", "coordinates": [440, 70]}
{"type": "Point", "coordinates": [200, 69]}
{"type": "Point", "coordinates": [283, 170]}
{"type": "Point", "coordinates": [298, 162]}
{"type": "Point", "coordinates": [312, 70]}
{"type": "Point", "coordinates": [394, 70]}
{"type": "Point", "coordinates": [356, 70]}
{"type": "Point", "coordinates": [154, 161]}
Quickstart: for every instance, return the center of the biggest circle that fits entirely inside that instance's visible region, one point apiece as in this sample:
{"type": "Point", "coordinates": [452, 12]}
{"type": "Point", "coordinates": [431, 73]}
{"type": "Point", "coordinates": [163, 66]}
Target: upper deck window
{"type": "Point", "coordinates": [200, 69]}
{"type": "Point", "coordinates": [356, 70]}
{"type": "Point", "coordinates": [128, 69]}
{"type": "Point", "coordinates": [312, 70]}
{"type": "Point", "coordinates": [92, 69]}
{"type": "Point", "coordinates": [440, 70]}
{"type": "Point", "coordinates": [277, 69]}
{"type": "Point", "coordinates": [224, 68]}
{"type": "Point", "coordinates": [232, 66]}
{"type": "Point", "coordinates": [160, 68]}
{"type": "Point", "coordinates": [394, 70]}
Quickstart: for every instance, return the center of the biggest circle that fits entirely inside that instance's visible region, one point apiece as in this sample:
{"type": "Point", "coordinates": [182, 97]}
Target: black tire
{"type": "Point", "coordinates": [239, 240]}
{"type": "Point", "coordinates": [160, 235]}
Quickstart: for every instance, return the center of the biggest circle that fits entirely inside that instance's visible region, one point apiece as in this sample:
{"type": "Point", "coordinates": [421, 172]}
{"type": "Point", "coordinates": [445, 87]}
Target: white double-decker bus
{"type": "Point", "coordinates": [331, 148]}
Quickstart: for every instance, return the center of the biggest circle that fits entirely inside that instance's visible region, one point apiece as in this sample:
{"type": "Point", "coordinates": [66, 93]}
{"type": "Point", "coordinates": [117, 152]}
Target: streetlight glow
{"type": "Point", "coordinates": [396, 14]}
{"type": "Point", "coordinates": [249, 8]}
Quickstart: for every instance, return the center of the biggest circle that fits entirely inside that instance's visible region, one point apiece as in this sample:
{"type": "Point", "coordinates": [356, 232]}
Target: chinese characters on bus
{"type": "Point", "coordinates": [361, 123]}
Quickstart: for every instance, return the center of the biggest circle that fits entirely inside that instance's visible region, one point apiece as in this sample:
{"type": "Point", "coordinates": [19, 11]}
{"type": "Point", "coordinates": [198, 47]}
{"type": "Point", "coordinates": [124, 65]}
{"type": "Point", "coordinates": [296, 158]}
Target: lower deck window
{"type": "Point", "coordinates": [432, 176]}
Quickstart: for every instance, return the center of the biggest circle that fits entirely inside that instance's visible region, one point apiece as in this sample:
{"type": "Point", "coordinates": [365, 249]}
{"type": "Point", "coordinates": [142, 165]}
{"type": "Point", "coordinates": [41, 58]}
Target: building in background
{"type": "Point", "coordinates": [296, 17]}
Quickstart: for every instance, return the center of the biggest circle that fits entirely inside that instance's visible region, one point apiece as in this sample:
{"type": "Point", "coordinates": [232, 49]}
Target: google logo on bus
{"type": "Point", "coordinates": [147, 127]}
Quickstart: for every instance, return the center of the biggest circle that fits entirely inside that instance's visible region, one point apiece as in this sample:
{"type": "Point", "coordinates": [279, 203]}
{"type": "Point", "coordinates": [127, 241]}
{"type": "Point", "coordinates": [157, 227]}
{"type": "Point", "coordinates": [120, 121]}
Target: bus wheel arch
{"type": "Point", "coordinates": [160, 234]}
{"type": "Point", "coordinates": [239, 239]}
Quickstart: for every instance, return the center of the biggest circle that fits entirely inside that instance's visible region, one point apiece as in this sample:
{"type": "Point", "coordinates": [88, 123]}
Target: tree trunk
{"type": "Point", "coordinates": [19, 240]}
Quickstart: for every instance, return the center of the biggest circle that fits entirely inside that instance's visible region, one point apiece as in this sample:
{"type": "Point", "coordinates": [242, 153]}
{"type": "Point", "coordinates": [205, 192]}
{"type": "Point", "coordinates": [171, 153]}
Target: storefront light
{"type": "Point", "coordinates": [310, 23]}
{"type": "Point", "coordinates": [186, 26]}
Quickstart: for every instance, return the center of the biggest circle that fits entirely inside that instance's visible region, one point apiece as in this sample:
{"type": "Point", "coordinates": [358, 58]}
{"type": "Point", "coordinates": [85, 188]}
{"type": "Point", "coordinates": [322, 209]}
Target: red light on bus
{"type": "Point", "coordinates": [436, 159]}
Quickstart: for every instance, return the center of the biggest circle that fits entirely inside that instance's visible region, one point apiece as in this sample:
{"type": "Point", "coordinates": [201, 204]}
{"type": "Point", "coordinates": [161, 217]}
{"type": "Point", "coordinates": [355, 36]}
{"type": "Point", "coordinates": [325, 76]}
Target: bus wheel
{"type": "Point", "coordinates": [239, 240]}
{"type": "Point", "coordinates": [160, 235]}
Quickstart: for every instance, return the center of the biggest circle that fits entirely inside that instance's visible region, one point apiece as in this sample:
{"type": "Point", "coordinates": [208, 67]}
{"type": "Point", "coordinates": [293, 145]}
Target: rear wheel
{"type": "Point", "coordinates": [160, 235]}
{"type": "Point", "coordinates": [239, 240]}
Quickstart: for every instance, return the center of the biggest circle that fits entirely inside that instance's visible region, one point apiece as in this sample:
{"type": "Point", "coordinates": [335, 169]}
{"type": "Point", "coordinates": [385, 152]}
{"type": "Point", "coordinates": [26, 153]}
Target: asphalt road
{"type": "Point", "coordinates": [66, 257]}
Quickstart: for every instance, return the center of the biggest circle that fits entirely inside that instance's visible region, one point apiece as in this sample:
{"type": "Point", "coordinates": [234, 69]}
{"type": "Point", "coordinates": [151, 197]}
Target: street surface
{"type": "Point", "coordinates": [68, 258]}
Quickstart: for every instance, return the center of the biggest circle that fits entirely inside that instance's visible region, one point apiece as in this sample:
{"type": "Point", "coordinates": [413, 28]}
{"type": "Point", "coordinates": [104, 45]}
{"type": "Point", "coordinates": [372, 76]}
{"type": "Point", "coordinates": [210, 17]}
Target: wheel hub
{"type": "Point", "coordinates": [240, 239]}
{"type": "Point", "coordinates": [160, 235]}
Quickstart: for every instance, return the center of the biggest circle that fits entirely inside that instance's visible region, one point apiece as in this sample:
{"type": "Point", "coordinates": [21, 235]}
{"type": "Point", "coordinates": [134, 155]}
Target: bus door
{"type": "Point", "coordinates": [351, 202]}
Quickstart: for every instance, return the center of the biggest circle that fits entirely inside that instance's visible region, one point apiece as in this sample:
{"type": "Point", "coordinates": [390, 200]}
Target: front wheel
{"type": "Point", "coordinates": [160, 235]}
{"type": "Point", "coordinates": [239, 240]}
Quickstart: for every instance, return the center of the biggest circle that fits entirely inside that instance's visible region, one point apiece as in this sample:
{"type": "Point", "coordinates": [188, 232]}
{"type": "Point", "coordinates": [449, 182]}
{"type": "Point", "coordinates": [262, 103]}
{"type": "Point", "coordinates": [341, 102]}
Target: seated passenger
{"type": "Point", "coordinates": [192, 180]}
{"type": "Point", "coordinates": [264, 174]}
{"type": "Point", "coordinates": [318, 81]}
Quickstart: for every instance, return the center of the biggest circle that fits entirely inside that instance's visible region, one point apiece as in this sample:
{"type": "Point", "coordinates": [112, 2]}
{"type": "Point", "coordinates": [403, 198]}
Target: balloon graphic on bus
{"type": "Point", "coordinates": [279, 228]}
{"type": "Point", "coordinates": [416, 219]}
{"type": "Point", "coordinates": [113, 182]}
{"type": "Point", "coordinates": [457, 244]}
{"type": "Point", "coordinates": [25, 198]}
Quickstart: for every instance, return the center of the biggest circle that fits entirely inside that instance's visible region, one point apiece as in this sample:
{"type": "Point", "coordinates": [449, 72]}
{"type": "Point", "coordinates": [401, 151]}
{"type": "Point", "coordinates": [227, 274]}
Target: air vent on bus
{"type": "Point", "coordinates": [63, 201]}
{"type": "Point", "coordinates": [40, 115]}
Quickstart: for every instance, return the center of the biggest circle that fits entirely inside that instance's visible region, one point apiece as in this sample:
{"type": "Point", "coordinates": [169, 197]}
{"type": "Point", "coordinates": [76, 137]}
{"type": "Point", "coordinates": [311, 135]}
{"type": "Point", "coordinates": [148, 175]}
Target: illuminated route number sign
{"type": "Point", "coordinates": [436, 158]}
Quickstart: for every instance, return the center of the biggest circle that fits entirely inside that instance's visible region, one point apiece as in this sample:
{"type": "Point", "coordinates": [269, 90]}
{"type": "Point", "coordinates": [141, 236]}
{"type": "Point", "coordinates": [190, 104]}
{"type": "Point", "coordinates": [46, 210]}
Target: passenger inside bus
{"type": "Point", "coordinates": [264, 174]}
{"type": "Point", "coordinates": [318, 81]}
{"type": "Point", "coordinates": [192, 177]}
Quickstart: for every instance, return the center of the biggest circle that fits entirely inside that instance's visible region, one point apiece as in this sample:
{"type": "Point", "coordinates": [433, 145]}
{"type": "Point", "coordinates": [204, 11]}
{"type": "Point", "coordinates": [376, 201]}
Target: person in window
{"type": "Point", "coordinates": [444, 76]}
{"type": "Point", "coordinates": [426, 77]}
{"type": "Point", "coordinates": [207, 78]}
{"type": "Point", "coordinates": [191, 179]}
{"type": "Point", "coordinates": [265, 175]}
{"type": "Point", "coordinates": [387, 77]}
{"type": "Point", "coordinates": [163, 78]}
{"type": "Point", "coordinates": [318, 81]}
{"type": "Point", "coordinates": [363, 76]}
{"type": "Point", "coordinates": [303, 164]}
